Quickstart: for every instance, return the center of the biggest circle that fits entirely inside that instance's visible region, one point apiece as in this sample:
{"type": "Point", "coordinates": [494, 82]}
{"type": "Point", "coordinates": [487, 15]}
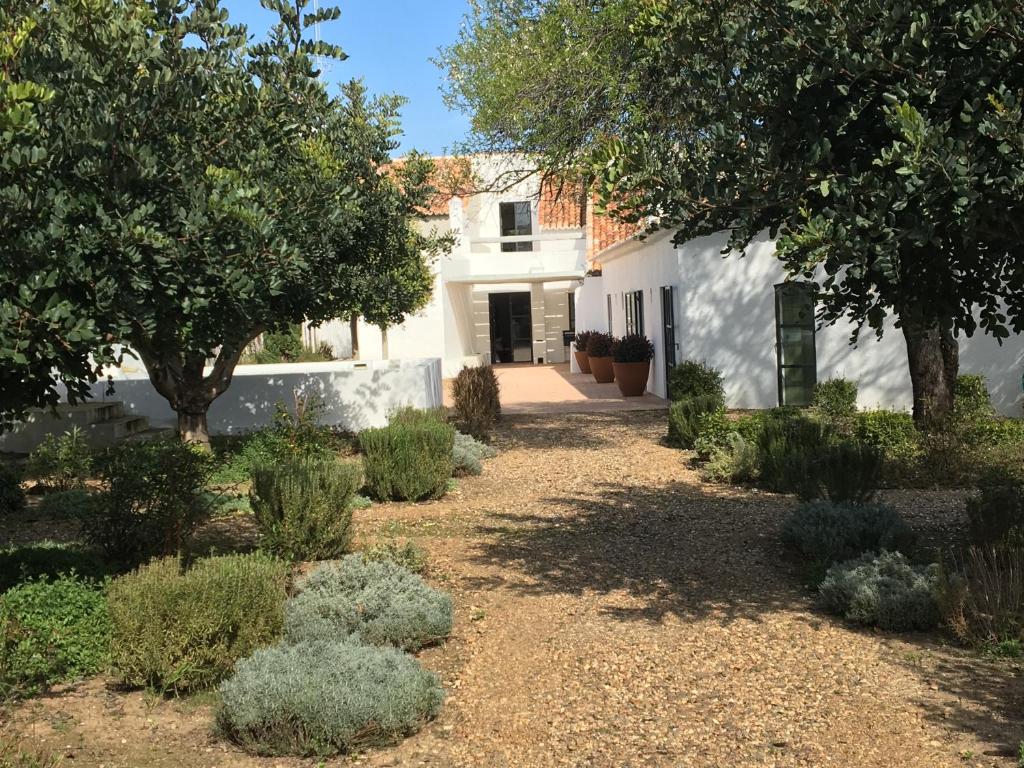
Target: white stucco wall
{"type": "Point", "coordinates": [725, 315]}
{"type": "Point", "coordinates": [356, 395]}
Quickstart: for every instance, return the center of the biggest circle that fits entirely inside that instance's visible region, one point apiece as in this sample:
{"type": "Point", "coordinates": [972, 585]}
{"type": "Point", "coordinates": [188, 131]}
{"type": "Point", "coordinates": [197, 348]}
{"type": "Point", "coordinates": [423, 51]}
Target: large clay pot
{"type": "Point", "coordinates": [582, 361]}
{"type": "Point", "coordinates": [632, 377]}
{"type": "Point", "coordinates": [602, 369]}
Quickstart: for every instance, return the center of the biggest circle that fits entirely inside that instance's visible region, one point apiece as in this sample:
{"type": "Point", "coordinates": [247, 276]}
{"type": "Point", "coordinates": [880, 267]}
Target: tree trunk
{"type": "Point", "coordinates": [384, 342]}
{"type": "Point", "coordinates": [934, 356]}
{"type": "Point", "coordinates": [353, 330]}
{"type": "Point", "coordinates": [192, 428]}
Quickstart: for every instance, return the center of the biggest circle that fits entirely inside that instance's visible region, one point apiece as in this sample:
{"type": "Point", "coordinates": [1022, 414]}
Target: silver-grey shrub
{"type": "Point", "coordinates": [826, 532]}
{"type": "Point", "coordinates": [379, 603]}
{"type": "Point", "coordinates": [468, 453]}
{"type": "Point", "coordinates": [884, 591]}
{"type": "Point", "coordinates": [303, 506]}
{"type": "Point", "coordinates": [327, 697]}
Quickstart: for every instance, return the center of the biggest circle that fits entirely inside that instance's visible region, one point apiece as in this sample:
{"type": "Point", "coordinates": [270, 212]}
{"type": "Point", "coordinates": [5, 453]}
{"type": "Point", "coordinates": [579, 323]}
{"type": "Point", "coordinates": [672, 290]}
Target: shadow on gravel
{"type": "Point", "coordinates": [568, 430]}
{"type": "Point", "coordinates": [673, 550]}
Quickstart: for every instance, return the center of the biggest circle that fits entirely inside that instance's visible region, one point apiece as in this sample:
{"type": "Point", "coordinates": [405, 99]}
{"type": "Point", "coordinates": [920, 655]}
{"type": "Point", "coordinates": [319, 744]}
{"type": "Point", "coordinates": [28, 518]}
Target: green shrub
{"type": "Point", "coordinates": [845, 471]}
{"type": "Point", "coordinates": [325, 698]}
{"type": "Point", "coordinates": [180, 630]}
{"type": "Point", "coordinates": [982, 595]}
{"type": "Point", "coordinates": [892, 432]}
{"type": "Point", "coordinates": [883, 590]}
{"type": "Point", "coordinates": [303, 506]}
{"type": "Point", "coordinates": [476, 401]}
{"type": "Point", "coordinates": [380, 603]}
{"type": "Point", "coordinates": [823, 533]}
{"type": "Point", "coordinates": [62, 463]}
{"type": "Point", "coordinates": [73, 503]}
{"type": "Point", "coordinates": [713, 431]}
{"type": "Point", "coordinates": [152, 503]}
{"type": "Point", "coordinates": [600, 344]}
{"type": "Point", "coordinates": [971, 400]}
{"type": "Point", "coordinates": [408, 462]}
{"type": "Point", "coordinates": [736, 462]}
{"type": "Point", "coordinates": [468, 454]}
{"type": "Point", "coordinates": [49, 558]}
{"type": "Point", "coordinates": [836, 401]}
{"type": "Point", "coordinates": [997, 510]}
{"type": "Point", "coordinates": [407, 554]}
{"type": "Point", "coordinates": [12, 497]}
{"type": "Point", "coordinates": [695, 379]}
{"type": "Point", "coordinates": [51, 631]}
{"type": "Point", "coordinates": [788, 443]}
{"type": "Point", "coordinates": [684, 418]}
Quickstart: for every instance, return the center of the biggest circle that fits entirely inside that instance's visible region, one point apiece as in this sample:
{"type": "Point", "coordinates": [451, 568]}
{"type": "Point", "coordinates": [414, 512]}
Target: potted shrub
{"type": "Point", "coordinates": [631, 363]}
{"type": "Point", "coordinates": [580, 342]}
{"type": "Point", "coordinates": [599, 355]}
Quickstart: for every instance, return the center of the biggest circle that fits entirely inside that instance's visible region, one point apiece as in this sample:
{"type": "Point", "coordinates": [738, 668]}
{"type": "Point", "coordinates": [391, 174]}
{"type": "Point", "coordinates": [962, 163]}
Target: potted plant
{"type": "Point", "coordinates": [599, 355]}
{"type": "Point", "coordinates": [632, 355]}
{"type": "Point", "coordinates": [580, 342]}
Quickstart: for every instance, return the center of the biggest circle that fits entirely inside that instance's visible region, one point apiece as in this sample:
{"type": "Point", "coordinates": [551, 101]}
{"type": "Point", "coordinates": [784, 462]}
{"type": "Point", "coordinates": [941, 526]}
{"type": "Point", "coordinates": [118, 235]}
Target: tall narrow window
{"type": "Point", "coordinates": [572, 311]}
{"type": "Point", "coordinates": [794, 342]}
{"type": "Point", "coordinates": [633, 303]}
{"type": "Point", "coordinates": [668, 327]}
{"type": "Point", "coordinates": [516, 220]}
{"type": "Point", "coordinates": [610, 313]}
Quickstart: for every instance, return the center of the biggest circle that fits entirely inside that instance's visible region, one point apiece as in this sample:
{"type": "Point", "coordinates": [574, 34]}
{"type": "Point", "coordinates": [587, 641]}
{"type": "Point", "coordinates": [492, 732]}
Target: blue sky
{"type": "Point", "coordinates": [389, 44]}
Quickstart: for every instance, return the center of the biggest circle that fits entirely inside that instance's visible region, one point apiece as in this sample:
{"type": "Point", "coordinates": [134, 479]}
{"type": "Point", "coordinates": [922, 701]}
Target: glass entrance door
{"type": "Point", "coordinates": [511, 327]}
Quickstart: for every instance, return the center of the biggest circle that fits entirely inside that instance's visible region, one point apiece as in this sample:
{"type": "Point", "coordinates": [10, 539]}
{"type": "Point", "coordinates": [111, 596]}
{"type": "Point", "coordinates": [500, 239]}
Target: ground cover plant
{"type": "Point", "coordinates": [326, 697]}
{"type": "Point", "coordinates": [476, 401]}
{"type": "Point", "coordinates": [177, 629]}
{"type": "Point", "coordinates": [51, 630]}
{"type": "Point", "coordinates": [377, 602]}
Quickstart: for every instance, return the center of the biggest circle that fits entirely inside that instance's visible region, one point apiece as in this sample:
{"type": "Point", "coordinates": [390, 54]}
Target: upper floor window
{"type": "Point", "coordinates": [516, 219]}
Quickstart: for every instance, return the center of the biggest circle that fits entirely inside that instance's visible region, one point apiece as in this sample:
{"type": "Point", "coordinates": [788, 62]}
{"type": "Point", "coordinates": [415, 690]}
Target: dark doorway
{"type": "Point", "coordinates": [511, 327]}
{"type": "Point", "coordinates": [668, 321]}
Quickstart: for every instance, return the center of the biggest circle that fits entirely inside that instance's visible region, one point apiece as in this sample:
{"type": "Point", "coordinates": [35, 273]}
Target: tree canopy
{"type": "Point", "coordinates": [880, 142]}
{"type": "Point", "coordinates": [180, 190]}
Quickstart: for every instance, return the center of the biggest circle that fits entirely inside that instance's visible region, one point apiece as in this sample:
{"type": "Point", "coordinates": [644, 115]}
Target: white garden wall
{"type": "Point", "coordinates": [355, 394]}
{"type": "Point", "coordinates": [725, 315]}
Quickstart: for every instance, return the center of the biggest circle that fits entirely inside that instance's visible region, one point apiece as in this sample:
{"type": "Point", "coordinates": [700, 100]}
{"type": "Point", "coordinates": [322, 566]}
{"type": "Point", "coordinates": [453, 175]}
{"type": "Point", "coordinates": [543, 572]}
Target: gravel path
{"type": "Point", "coordinates": [614, 611]}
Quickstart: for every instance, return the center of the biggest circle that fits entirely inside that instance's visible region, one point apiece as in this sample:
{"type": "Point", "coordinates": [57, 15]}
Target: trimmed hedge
{"type": "Point", "coordinates": [408, 461]}
{"type": "Point", "coordinates": [380, 603]}
{"type": "Point", "coordinates": [324, 698]}
{"type": "Point", "coordinates": [181, 630]}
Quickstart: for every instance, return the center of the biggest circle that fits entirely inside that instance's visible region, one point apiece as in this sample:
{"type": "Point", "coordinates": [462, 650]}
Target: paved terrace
{"type": "Point", "coordinates": [527, 388]}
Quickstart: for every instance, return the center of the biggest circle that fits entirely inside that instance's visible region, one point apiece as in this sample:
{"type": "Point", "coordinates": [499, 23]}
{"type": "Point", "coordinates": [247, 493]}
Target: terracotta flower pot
{"type": "Point", "coordinates": [632, 377]}
{"type": "Point", "coordinates": [602, 369]}
{"type": "Point", "coordinates": [582, 361]}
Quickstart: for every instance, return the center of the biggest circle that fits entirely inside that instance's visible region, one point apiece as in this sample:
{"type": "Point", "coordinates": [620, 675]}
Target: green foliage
{"type": "Point", "coordinates": [49, 559]}
{"type": "Point", "coordinates": [735, 462]}
{"type": "Point", "coordinates": [62, 463]}
{"type": "Point", "coordinates": [684, 418]}
{"type": "Point", "coordinates": [408, 554]}
{"type": "Point", "coordinates": [892, 432]}
{"type": "Point", "coordinates": [12, 497]}
{"type": "Point", "coordinates": [287, 346]}
{"type": "Point", "coordinates": [468, 453]}
{"type": "Point", "coordinates": [323, 698]}
{"type": "Point", "coordinates": [823, 533]}
{"type": "Point", "coordinates": [303, 506]}
{"type": "Point", "coordinates": [476, 398]}
{"type": "Point", "coordinates": [633, 348]}
{"type": "Point", "coordinates": [582, 340]}
{"type": "Point", "coordinates": [973, 403]}
{"type": "Point", "coordinates": [788, 443]}
{"type": "Point", "coordinates": [836, 401]}
{"type": "Point", "coordinates": [61, 505]}
{"type": "Point", "coordinates": [153, 500]}
{"type": "Point", "coordinates": [51, 631]}
{"type": "Point", "coordinates": [996, 510]}
{"type": "Point", "coordinates": [713, 431]}
{"type": "Point", "coordinates": [883, 591]}
{"type": "Point", "coordinates": [691, 378]}
{"type": "Point", "coordinates": [183, 630]}
{"type": "Point", "coordinates": [408, 461]}
{"type": "Point", "coordinates": [982, 595]}
{"type": "Point", "coordinates": [600, 344]}
{"type": "Point", "coordinates": [379, 602]}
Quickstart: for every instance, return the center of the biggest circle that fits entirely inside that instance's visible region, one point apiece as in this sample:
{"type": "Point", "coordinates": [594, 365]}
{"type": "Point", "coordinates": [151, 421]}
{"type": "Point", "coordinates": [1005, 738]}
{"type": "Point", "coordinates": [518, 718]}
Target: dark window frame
{"type": "Point", "coordinates": [633, 305]}
{"type": "Point", "coordinates": [518, 225]}
{"type": "Point", "coordinates": [807, 322]}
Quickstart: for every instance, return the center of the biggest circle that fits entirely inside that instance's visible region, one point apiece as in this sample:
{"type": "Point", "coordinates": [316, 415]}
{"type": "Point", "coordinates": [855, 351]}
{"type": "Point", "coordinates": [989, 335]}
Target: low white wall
{"type": "Point", "coordinates": [355, 394]}
{"type": "Point", "coordinates": [725, 315]}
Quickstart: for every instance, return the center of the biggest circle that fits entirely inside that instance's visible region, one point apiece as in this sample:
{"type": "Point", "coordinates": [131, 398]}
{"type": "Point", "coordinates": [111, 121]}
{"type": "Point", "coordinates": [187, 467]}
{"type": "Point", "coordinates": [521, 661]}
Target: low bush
{"type": "Point", "coordinates": [713, 431]}
{"type": "Point", "coordinates": [380, 603]}
{"type": "Point", "coordinates": [690, 378]}
{"type": "Point", "coordinates": [600, 344]}
{"type": "Point", "coordinates": [152, 503]}
{"type": "Point", "coordinates": [972, 403]}
{"type": "Point", "coordinates": [468, 454]}
{"type": "Point", "coordinates": [788, 442]}
{"type": "Point", "coordinates": [823, 533]}
{"type": "Point", "coordinates": [836, 401]}
{"type": "Point", "coordinates": [736, 462]}
{"type": "Point", "coordinates": [408, 462]}
{"type": "Point", "coordinates": [182, 630]}
{"type": "Point", "coordinates": [845, 471]}
{"type": "Point", "coordinates": [49, 559]}
{"type": "Point", "coordinates": [303, 506]}
{"type": "Point", "coordinates": [982, 595]}
{"type": "Point", "coordinates": [51, 630]}
{"type": "Point", "coordinates": [12, 497]}
{"type": "Point", "coordinates": [996, 511]}
{"type": "Point", "coordinates": [325, 698]}
{"type": "Point", "coordinates": [74, 503]}
{"type": "Point", "coordinates": [684, 418]}
{"type": "Point", "coordinates": [62, 463]}
{"type": "Point", "coordinates": [632, 348]}
{"type": "Point", "coordinates": [476, 401]}
{"type": "Point", "coordinates": [892, 432]}
{"type": "Point", "coordinates": [883, 590]}
{"type": "Point", "coordinates": [407, 554]}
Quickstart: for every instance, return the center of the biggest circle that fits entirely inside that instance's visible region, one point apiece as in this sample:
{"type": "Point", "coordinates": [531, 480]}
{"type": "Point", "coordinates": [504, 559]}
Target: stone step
{"type": "Point", "coordinates": [113, 430]}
